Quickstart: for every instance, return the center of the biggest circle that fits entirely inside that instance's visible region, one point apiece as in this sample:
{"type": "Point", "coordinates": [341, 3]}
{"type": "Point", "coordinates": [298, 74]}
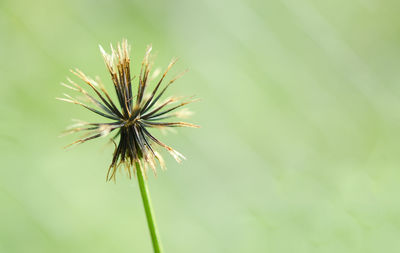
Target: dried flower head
{"type": "Point", "coordinates": [132, 115]}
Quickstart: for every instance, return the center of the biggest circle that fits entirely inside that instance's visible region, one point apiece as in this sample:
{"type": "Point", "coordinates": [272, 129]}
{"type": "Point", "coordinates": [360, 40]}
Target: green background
{"type": "Point", "coordinates": [299, 145]}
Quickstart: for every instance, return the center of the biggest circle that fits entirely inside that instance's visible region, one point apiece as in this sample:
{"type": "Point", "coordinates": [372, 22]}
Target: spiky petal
{"type": "Point", "coordinates": [131, 115]}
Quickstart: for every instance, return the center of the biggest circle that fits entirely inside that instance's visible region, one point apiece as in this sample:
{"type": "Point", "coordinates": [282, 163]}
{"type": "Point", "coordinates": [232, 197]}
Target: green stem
{"type": "Point", "coordinates": [144, 191]}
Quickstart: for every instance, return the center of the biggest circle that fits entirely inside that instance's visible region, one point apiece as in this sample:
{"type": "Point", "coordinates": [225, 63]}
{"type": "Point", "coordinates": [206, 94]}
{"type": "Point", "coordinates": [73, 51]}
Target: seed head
{"type": "Point", "coordinates": [130, 116]}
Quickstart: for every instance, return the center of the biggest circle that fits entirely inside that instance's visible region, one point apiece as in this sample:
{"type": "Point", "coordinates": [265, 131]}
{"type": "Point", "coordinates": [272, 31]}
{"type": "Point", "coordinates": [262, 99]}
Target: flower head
{"type": "Point", "coordinates": [131, 115]}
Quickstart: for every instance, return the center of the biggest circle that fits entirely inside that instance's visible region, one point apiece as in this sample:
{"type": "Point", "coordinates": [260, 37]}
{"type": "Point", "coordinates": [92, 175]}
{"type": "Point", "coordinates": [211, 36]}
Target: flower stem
{"type": "Point", "coordinates": [144, 191]}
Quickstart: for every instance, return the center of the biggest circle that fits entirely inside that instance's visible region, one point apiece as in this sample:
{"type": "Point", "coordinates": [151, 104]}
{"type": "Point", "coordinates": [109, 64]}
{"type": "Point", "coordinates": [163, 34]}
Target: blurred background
{"type": "Point", "coordinates": [299, 145]}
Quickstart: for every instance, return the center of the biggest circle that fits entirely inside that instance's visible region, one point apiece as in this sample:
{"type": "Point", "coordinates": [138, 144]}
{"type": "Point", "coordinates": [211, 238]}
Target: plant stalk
{"type": "Point", "coordinates": [144, 191]}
